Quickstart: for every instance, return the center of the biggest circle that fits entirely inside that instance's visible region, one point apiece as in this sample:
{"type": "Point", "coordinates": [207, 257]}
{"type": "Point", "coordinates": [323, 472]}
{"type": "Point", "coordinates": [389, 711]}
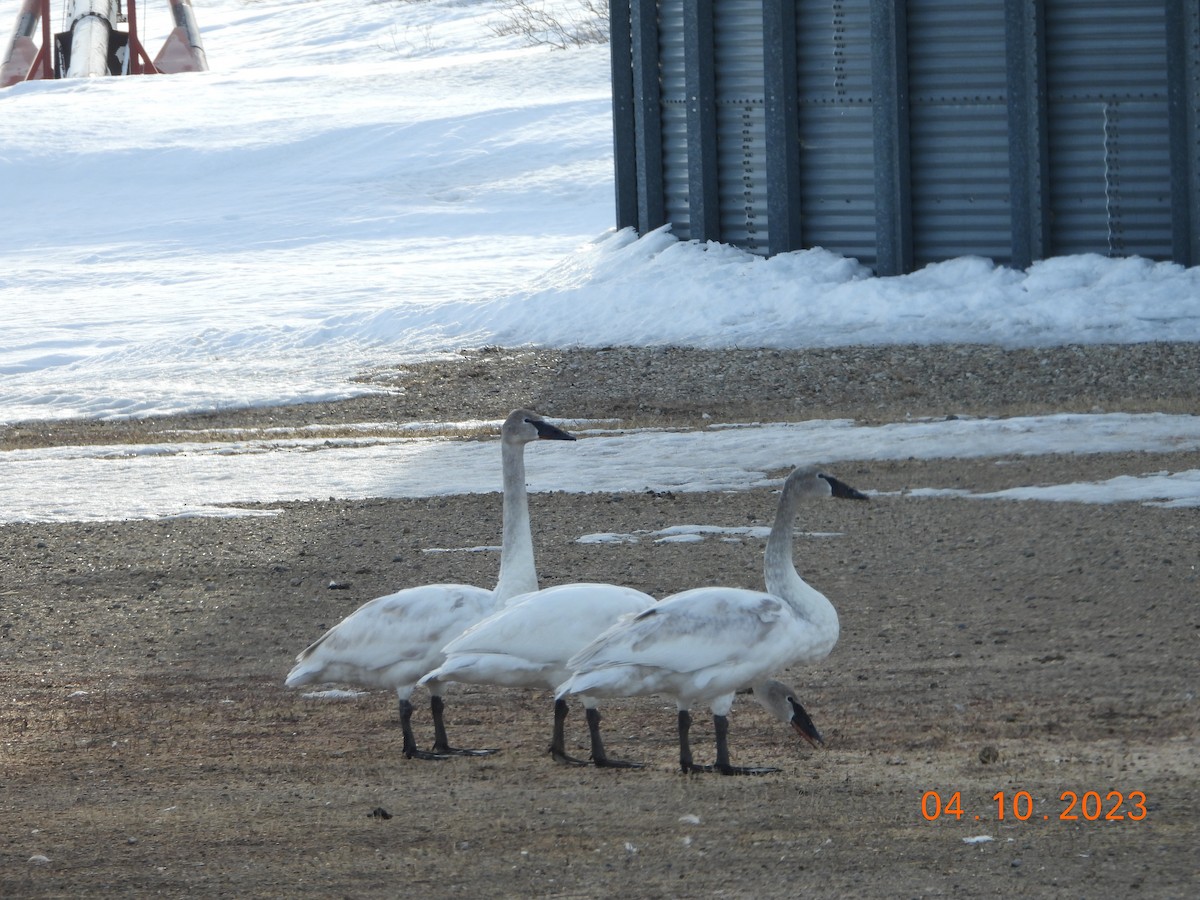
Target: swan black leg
{"type": "Point", "coordinates": [558, 743]}
{"type": "Point", "coordinates": [441, 746]}
{"type": "Point", "coordinates": [410, 742]}
{"type": "Point", "coordinates": [599, 757]}
{"type": "Point", "coordinates": [721, 726]}
{"type": "Point", "coordinates": [685, 749]}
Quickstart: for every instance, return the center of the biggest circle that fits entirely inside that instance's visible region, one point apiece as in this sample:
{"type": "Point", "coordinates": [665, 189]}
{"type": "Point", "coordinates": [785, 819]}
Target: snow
{"type": "Point", "coordinates": [355, 185]}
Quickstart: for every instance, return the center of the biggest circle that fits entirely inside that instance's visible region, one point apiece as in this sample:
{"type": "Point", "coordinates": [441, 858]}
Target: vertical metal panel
{"type": "Point", "coordinates": [1183, 102]}
{"type": "Point", "coordinates": [647, 115]}
{"type": "Point", "coordinates": [1028, 163]}
{"type": "Point", "coordinates": [624, 129]}
{"type": "Point", "coordinates": [673, 75]}
{"type": "Point", "coordinates": [704, 202]}
{"type": "Point", "coordinates": [920, 130]}
{"type": "Point", "coordinates": [958, 127]}
{"type": "Point", "coordinates": [836, 153]}
{"type": "Point", "coordinates": [780, 91]}
{"type": "Point", "coordinates": [1107, 122]}
{"type": "Point", "coordinates": [889, 86]}
{"type": "Point", "coordinates": [741, 123]}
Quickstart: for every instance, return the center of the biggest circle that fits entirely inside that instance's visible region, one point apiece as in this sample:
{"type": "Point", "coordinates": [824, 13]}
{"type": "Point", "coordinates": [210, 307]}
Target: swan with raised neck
{"type": "Point", "coordinates": [393, 641]}
{"type": "Point", "coordinates": [702, 645]}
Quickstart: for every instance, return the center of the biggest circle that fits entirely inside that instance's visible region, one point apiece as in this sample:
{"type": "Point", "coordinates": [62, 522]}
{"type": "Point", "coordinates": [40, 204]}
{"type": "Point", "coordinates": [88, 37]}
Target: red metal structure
{"type": "Point", "coordinates": [92, 44]}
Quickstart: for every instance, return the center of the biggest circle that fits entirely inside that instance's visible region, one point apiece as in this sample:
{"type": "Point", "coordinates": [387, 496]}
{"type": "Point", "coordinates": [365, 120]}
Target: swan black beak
{"type": "Point", "coordinates": [803, 725]}
{"type": "Point", "coordinates": [548, 432]}
{"type": "Point", "coordinates": [843, 491]}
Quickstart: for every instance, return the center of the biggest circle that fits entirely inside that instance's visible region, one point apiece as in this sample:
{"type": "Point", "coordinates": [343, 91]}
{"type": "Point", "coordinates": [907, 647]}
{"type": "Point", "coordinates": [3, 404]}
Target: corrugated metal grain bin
{"type": "Point", "coordinates": [903, 133]}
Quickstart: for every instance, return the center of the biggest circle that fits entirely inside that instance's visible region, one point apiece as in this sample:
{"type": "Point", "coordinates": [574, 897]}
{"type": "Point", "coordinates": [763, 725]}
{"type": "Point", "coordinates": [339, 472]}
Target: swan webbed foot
{"type": "Point", "coordinates": [605, 762]}
{"type": "Point", "coordinates": [721, 727]}
{"type": "Point", "coordinates": [561, 756]}
{"type": "Point", "coordinates": [558, 740]}
{"type": "Point", "coordinates": [441, 745]}
{"type": "Point", "coordinates": [600, 759]}
{"type": "Point", "coordinates": [414, 753]}
{"type": "Point", "coordinates": [409, 749]}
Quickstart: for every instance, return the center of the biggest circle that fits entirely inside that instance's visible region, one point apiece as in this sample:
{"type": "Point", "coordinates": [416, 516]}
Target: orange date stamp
{"type": "Point", "coordinates": [1018, 806]}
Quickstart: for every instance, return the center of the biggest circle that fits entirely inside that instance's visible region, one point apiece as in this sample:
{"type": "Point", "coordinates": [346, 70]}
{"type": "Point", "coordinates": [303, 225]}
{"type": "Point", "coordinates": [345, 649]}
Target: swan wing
{"type": "Point", "coordinates": [529, 642]}
{"type": "Point", "coordinates": [397, 633]}
{"type": "Point", "coordinates": [688, 632]}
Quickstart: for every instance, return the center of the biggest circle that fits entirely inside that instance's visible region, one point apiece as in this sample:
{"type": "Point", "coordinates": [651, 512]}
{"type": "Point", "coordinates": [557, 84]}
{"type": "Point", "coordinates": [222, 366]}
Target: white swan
{"type": "Point", "coordinates": [527, 645]}
{"type": "Point", "coordinates": [391, 641]}
{"type": "Point", "coordinates": [702, 645]}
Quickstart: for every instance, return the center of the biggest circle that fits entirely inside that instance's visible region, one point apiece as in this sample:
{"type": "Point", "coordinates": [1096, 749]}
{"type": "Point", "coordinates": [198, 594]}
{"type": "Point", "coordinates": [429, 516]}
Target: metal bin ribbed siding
{"type": "Point", "coordinates": [903, 133]}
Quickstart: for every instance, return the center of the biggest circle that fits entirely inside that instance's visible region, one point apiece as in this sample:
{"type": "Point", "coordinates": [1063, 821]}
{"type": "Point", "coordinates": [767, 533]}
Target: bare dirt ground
{"type": "Point", "coordinates": [1036, 651]}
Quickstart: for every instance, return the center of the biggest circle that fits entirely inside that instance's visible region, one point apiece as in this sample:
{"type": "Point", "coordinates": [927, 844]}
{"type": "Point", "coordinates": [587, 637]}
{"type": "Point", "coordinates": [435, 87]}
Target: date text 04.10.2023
{"type": "Point", "coordinates": [1088, 806]}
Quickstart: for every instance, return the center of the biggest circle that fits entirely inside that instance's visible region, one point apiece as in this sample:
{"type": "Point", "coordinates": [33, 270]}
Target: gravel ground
{"type": "Point", "coordinates": [681, 387]}
{"type": "Point", "coordinates": [1031, 651]}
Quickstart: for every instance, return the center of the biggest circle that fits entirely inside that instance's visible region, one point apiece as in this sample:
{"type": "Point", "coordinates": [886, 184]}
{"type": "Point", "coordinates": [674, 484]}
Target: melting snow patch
{"type": "Point", "coordinates": [607, 537]}
{"type": "Point", "coordinates": [675, 534]}
{"type": "Point", "coordinates": [680, 534]}
{"type": "Point", "coordinates": [1164, 489]}
{"type": "Point", "coordinates": [680, 539]}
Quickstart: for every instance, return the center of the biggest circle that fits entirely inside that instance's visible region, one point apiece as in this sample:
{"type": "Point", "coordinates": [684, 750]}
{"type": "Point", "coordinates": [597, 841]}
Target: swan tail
{"type": "Point", "coordinates": [612, 682]}
{"type": "Point", "coordinates": [301, 674]}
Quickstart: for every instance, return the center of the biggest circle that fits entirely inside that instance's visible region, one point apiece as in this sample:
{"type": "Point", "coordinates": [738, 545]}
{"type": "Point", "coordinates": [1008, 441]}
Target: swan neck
{"type": "Point", "coordinates": [779, 569]}
{"type": "Point", "coordinates": [779, 565]}
{"type": "Point", "coordinates": [518, 574]}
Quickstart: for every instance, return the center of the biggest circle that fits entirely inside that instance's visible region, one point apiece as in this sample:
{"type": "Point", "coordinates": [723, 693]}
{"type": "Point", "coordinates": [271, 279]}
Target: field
{"type": "Point", "coordinates": [1039, 657]}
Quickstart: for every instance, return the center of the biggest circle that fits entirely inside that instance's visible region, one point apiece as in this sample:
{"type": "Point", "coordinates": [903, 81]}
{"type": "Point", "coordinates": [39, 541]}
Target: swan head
{"type": "Point", "coordinates": [524, 425]}
{"type": "Point", "coordinates": [780, 700]}
{"type": "Point", "coordinates": [810, 481]}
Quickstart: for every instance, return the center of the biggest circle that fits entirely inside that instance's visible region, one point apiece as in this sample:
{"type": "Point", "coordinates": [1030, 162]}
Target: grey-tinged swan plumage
{"type": "Point", "coordinates": [700, 646]}
{"type": "Point", "coordinates": [780, 700]}
{"type": "Point", "coordinates": [392, 641]}
{"type": "Point", "coordinates": [527, 645]}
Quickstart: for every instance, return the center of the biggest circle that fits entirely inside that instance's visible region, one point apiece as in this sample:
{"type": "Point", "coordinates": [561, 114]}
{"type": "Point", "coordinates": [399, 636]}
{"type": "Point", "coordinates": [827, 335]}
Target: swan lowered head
{"type": "Point", "coordinates": [780, 701]}
{"type": "Point", "coordinates": [702, 645]}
